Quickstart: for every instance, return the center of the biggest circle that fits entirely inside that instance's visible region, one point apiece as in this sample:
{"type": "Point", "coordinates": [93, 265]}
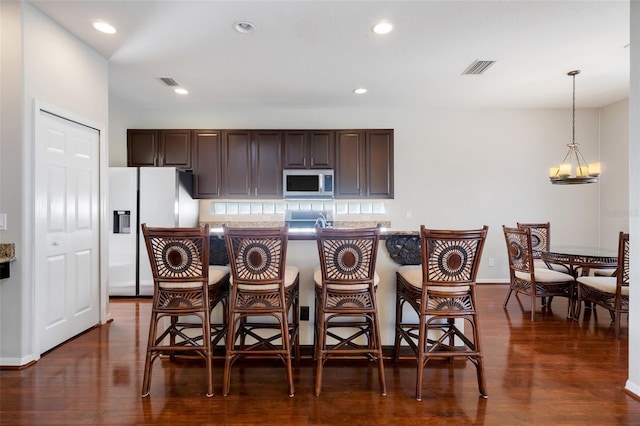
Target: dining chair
{"type": "Point", "coordinates": [541, 241]}
{"type": "Point", "coordinates": [186, 289]}
{"type": "Point", "coordinates": [442, 292]}
{"type": "Point", "coordinates": [262, 286]}
{"type": "Point", "coordinates": [610, 292]}
{"type": "Point", "coordinates": [525, 278]}
{"type": "Point", "coordinates": [346, 314]}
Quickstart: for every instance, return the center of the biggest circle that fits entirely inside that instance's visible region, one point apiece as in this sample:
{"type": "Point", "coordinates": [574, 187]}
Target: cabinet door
{"type": "Point", "coordinates": [175, 149]}
{"type": "Point", "coordinates": [379, 164]}
{"type": "Point", "coordinates": [321, 149]}
{"type": "Point", "coordinates": [313, 149]}
{"type": "Point", "coordinates": [267, 164]}
{"type": "Point", "coordinates": [237, 164]}
{"type": "Point", "coordinates": [349, 155]}
{"type": "Point", "coordinates": [142, 148]}
{"type": "Point", "coordinates": [207, 155]}
{"type": "Point", "coordinates": [295, 150]}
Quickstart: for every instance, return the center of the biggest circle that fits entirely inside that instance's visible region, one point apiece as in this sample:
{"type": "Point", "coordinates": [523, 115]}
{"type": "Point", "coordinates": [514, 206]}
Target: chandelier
{"type": "Point", "coordinates": [584, 172]}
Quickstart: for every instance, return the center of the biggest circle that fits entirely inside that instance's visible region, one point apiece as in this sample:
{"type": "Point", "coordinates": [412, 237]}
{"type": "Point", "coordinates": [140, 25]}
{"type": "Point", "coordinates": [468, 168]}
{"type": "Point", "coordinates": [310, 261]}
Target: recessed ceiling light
{"type": "Point", "coordinates": [383, 27]}
{"type": "Point", "coordinates": [360, 91]}
{"type": "Point", "coordinates": [104, 27]}
{"type": "Point", "coordinates": [244, 27]}
{"type": "Point", "coordinates": [181, 91]}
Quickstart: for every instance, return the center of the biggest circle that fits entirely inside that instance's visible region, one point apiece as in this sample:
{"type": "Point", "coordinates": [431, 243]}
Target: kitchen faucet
{"type": "Point", "coordinates": [321, 221]}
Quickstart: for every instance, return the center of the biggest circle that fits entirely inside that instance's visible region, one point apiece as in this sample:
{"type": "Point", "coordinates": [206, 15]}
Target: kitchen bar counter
{"type": "Point", "coordinates": [402, 247]}
{"type": "Point", "coordinates": [302, 233]}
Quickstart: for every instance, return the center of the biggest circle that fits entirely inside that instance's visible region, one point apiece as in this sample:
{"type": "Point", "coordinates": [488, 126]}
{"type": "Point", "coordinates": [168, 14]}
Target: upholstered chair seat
{"type": "Point", "coordinates": [291, 274]}
{"type": "Point", "coordinates": [317, 279]}
{"type": "Point", "coordinates": [603, 284]}
{"type": "Point", "coordinates": [544, 275]}
{"type": "Point", "coordinates": [216, 274]}
{"type": "Point", "coordinates": [412, 274]}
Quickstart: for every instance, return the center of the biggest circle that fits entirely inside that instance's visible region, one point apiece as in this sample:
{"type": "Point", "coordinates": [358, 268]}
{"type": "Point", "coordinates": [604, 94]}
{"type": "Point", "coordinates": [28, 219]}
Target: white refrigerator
{"type": "Point", "coordinates": [157, 196]}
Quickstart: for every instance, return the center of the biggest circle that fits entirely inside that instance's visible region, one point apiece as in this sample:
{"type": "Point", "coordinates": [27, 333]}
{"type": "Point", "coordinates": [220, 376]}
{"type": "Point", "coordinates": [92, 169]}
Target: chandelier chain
{"type": "Point", "coordinates": [573, 140]}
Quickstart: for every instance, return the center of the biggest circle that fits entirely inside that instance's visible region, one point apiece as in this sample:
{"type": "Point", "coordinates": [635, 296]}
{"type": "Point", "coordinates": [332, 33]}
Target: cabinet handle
{"type": "Point", "coordinates": [304, 162]}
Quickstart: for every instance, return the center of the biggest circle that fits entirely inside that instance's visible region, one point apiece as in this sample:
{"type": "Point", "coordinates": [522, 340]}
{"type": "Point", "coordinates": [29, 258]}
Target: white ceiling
{"type": "Point", "coordinates": [314, 53]}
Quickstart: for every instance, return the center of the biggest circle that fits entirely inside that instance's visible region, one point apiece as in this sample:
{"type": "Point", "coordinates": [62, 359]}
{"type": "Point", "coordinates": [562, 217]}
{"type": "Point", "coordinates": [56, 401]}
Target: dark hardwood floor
{"type": "Point", "coordinates": [552, 371]}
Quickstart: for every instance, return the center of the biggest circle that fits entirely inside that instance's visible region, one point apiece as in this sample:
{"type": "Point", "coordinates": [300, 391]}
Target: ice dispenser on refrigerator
{"type": "Point", "coordinates": [122, 221]}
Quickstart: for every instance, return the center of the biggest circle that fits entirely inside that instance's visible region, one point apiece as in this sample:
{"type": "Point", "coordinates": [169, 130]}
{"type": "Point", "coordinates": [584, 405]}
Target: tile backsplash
{"type": "Point", "coordinates": [233, 208]}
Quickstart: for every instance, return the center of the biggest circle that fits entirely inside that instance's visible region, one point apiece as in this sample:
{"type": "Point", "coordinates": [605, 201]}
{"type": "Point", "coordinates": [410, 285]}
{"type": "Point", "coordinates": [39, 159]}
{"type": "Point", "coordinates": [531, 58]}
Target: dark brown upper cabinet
{"type": "Point", "coordinates": [252, 164]}
{"type": "Point", "coordinates": [364, 164]}
{"type": "Point", "coordinates": [309, 149]}
{"type": "Point", "coordinates": [248, 163]}
{"type": "Point", "coordinates": [161, 148]}
{"type": "Point", "coordinates": [207, 160]}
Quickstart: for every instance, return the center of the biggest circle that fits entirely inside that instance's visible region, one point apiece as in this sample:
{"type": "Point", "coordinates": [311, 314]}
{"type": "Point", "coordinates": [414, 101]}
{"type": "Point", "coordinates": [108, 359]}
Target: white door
{"type": "Point", "coordinates": [66, 228]}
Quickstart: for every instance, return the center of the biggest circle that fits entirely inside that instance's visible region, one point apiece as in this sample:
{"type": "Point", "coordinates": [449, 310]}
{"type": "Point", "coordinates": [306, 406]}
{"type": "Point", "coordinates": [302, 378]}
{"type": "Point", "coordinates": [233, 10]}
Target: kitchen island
{"type": "Point", "coordinates": [303, 252]}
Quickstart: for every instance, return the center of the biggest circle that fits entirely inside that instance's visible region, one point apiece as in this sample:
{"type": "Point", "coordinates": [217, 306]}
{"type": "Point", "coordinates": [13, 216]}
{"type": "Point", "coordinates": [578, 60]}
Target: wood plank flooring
{"type": "Point", "coordinates": [551, 371]}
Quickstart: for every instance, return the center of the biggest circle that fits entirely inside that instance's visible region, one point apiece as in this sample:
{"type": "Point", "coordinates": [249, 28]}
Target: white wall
{"type": "Point", "coordinates": [11, 186]}
{"type": "Point", "coordinates": [614, 154]}
{"type": "Point", "coordinates": [633, 383]}
{"type": "Point", "coordinates": [61, 72]}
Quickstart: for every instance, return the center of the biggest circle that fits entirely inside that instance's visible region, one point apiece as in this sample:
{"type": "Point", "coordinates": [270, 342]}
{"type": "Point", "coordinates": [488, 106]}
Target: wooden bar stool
{"type": "Point", "coordinates": [185, 291]}
{"type": "Point", "coordinates": [442, 291]}
{"type": "Point", "coordinates": [345, 290]}
{"type": "Point", "coordinates": [262, 287]}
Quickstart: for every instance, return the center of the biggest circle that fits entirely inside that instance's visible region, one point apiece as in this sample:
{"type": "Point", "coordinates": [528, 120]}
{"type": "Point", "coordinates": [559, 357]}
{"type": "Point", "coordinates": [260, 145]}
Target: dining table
{"type": "Point", "coordinates": [581, 261]}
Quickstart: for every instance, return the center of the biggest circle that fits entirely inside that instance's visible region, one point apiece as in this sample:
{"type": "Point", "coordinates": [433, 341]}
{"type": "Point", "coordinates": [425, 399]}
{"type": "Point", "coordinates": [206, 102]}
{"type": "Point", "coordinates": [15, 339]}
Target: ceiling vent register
{"type": "Point", "coordinates": [169, 81]}
{"type": "Point", "coordinates": [478, 67]}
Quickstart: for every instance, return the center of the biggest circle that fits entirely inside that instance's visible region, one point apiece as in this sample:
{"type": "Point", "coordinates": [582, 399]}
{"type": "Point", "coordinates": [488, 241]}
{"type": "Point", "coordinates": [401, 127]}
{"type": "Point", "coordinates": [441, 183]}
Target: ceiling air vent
{"type": "Point", "coordinates": [168, 81]}
{"type": "Point", "coordinates": [478, 67]}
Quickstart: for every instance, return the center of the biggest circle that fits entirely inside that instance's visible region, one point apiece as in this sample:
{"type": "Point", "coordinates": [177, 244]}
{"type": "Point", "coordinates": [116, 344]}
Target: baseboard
{"type": "Point", "coordinates": [493, 281]}
{"type": "Point", "coordinates": [16, 363]}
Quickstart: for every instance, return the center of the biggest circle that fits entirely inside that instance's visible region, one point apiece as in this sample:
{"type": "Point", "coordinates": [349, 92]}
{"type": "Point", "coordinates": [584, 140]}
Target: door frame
{"type": "Point", "coordinates": [103, 190]}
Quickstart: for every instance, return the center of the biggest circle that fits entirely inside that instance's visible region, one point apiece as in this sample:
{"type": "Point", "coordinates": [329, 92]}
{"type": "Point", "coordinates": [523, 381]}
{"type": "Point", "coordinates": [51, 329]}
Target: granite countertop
{"type": "Point", "coordinates": [7, 252]}
{"type": "Point", "coordinates": [257, 224]}
{"type": "Point", "coordinates": [309, 233]}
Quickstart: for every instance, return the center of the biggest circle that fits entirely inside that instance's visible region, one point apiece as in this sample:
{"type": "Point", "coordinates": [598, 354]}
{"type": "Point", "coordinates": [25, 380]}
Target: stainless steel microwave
{"type": "Point", "coordinates": [307, 183]}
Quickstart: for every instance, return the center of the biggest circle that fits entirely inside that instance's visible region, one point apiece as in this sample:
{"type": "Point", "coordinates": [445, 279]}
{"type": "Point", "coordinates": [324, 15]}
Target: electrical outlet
{"type": "Point", "coordinates": [304, 313]}
{"type": "Point", "coordinates": [492, 262]}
